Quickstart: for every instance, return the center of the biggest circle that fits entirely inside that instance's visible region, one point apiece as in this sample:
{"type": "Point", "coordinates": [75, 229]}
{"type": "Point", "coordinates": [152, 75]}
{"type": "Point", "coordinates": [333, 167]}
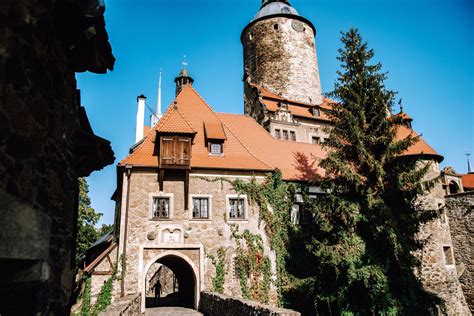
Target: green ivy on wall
{"type": "Point", "coordinates": [219, 264]}
{"type": "Point", "coordinates": [252, 265]}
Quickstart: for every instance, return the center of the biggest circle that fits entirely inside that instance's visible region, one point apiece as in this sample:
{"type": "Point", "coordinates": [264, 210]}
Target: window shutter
{"type": "Point", "coordinates": [168, 150]}
{"type": "Point", "coordinates": [183, 150]}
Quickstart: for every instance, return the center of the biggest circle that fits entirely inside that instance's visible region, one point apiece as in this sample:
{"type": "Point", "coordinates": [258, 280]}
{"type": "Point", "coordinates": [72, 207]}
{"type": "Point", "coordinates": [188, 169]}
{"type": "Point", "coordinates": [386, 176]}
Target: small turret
{"type": "Point", "coordinates": [183, 79]}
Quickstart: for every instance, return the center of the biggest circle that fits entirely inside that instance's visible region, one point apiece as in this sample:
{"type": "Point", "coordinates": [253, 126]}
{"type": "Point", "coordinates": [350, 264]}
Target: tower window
{"type": "Point", "coordinates": [292, 136]}
{"type": "Point", "coordinates": [316, 140]}
{"type": "Point", "coordinates": [448, 255]}
{"type": "Point", "coordinates": [285, 135]}
{"type": "Point", "coordinates": [277, 134]}
{"type": "Point", "coordinates": [275, 27]}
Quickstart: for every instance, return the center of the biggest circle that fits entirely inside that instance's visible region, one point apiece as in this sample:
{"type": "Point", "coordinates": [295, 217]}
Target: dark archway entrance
{"type": "Point", "coordinates": [174, 278]}
{"type": "Point", "coordinates": [453, 187]}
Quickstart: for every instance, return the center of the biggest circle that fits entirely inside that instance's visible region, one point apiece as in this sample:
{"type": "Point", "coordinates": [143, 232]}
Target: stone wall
{"type": "Point", "coordinates": [282, 59]}
{"type": "Point", "coordinates": [459, 210]}
{"type": "Point", "coordinates": [438, 267]}
{"type": "Point", "coordinates": [213, 304]}
{"type": "Point", "coordinates": [126, 306]}
{"type": "Point", "coordinates": [194, 238]}
{"type": "Point", "coordinates": [45, 143]}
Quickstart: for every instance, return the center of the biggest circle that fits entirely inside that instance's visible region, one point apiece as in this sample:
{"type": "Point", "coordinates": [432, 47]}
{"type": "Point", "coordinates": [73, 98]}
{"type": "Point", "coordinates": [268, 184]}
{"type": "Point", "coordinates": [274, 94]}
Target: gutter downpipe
{"type": "Point", "coordinates": [128, 172]}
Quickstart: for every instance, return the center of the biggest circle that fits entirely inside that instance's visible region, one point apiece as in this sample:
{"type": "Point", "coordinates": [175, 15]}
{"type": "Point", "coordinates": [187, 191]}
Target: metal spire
{"type": "Point", "coordinates": [158, 102]}
{"type": "Point", "coordinates": [468, 163]}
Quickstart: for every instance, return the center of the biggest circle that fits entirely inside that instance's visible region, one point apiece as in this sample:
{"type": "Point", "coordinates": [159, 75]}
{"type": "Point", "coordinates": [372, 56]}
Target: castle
{"type": "Point", "coordinates": [171, 214]}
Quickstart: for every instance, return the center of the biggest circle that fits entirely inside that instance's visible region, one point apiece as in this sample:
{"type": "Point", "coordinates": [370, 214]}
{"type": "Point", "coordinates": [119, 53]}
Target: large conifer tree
{"type": "Point", "coordinates": [364, 238]}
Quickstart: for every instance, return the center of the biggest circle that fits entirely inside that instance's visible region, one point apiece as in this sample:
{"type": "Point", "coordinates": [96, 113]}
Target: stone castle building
{"type": "Point", "coordinates": [171, 208]}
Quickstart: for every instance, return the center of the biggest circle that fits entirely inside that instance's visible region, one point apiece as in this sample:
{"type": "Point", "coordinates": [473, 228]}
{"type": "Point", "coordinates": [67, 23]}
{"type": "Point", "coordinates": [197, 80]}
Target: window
{"type": "Point", "coordinates": [316, 140]}
{"type": "Point", "coordinates": [448, 255]}
{"type": "Point", "coordinates": [161, 208]}
{"type": "Point", "coordinates": [295, 214]}
{"type": "Point", "coordinates": [277, 134]}
{"type": "Point", "coordinates": [236, 208]}
{"type": "Point", "coordinates": [316, 112]}
{"type": "Point", "coordinates": [275, 26]}
{"type": "Point", "coordinates": [201, 208]}
{"type": "Point", "coordinates": [216, 148]}
{"type": "Point", "coordinates": [285, 135]}
{"type": "Point", "coordinates": [292, 136]}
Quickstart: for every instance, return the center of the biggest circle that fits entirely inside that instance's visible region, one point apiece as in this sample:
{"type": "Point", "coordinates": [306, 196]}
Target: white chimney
{"type": "Point", "coordinates": [140, 118]}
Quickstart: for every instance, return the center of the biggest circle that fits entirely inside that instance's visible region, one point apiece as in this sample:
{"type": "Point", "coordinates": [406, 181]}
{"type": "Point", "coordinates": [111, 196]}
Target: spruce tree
{"type": "Point", "coordinates": [364, 237]}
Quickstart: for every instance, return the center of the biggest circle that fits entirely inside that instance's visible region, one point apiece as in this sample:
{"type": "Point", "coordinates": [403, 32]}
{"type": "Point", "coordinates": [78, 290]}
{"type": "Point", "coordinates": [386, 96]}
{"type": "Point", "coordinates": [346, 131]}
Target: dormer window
{"type": "Point", "coordinates": [216, 149]}
{"type": "Point", "coordinates": [215, 138]}
{"type": "Point", "coordinates": [316, 112]}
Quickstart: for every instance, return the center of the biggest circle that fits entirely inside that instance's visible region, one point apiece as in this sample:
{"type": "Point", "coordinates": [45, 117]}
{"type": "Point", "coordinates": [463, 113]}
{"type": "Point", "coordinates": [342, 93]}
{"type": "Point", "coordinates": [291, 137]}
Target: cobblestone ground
{"type": "Point", "coordinates": [171, 311]}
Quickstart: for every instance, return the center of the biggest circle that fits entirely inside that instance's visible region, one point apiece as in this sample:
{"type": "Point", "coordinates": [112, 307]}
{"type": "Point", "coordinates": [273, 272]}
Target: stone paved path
{"type": "Point", "coordinates": [171, 311]}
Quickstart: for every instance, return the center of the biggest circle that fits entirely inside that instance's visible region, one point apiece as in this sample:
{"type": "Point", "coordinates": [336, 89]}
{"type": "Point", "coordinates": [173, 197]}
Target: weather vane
{"type": "Point", "coordinates": [184, 61]}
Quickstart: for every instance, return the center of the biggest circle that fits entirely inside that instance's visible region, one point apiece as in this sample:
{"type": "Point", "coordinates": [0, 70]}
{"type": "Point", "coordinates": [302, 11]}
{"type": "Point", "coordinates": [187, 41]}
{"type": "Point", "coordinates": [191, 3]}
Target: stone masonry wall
{"type": "Point", "coordinates": [38, 186]}
{"type": "Point", "coordinates": [39, 123]}
{"type": "Point", "coordinates": [438, 271]}
{"type": "Point", "coordinates": [213, 304]}
{"type": "Point", "coordinates": [283, 60]}
{"type": "Point", "coordinates": [209, 234]}
{"type": "Point", "coordinates": [459, 210]}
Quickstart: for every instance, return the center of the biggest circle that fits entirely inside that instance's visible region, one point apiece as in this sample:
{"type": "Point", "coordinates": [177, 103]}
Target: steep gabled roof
{"type": "Point", "coordinates": [174, 122]}
{"type": "Point", "coordinates": [195, 112]}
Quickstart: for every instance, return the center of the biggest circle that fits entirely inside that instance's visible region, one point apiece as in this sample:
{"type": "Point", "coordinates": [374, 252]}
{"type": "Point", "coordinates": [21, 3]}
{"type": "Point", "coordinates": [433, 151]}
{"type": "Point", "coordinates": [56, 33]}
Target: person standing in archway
{"type": "Point", "coordinates": [157, 288]}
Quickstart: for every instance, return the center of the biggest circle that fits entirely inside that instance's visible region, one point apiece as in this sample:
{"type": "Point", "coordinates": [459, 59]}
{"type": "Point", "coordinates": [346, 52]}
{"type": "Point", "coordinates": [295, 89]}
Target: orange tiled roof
{"type": "Point", "coordinates": [297, 161]}
{"type": "Point", "coordinates": [404, 116]}
{"type": "Point", "coordinates": [248, 146]}
{"type": "Point", "coordinates": [214, 130]}
{"type": "Point", "coordinates": [271, 100]}
{"type": "Point", "coordinates": [174, 122]}
{"type": "Point", "coordinates": [195, 111]}
{"type": "Point", "coordinates": [468, 181]}
{"type": "Point", "coordinates": [420, 147]}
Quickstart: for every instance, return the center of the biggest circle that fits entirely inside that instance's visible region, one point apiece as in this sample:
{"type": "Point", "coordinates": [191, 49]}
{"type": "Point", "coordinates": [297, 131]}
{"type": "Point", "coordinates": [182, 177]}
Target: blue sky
{"type": "Point", "coordinates": [426, 46]}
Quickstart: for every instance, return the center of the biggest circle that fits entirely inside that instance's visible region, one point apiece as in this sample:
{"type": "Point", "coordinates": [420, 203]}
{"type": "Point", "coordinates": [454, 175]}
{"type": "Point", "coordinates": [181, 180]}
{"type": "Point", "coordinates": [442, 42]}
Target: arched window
{"type": "Point", "coordinates": [453, 188]}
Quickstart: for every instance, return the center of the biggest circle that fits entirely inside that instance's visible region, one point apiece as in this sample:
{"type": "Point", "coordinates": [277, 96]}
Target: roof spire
{"type": "Point", "coordinates": [400, 104]}
{"type": "Point", "coordinates": [468, 163]}
{"type": "Point", "coordinates": [158, 102]}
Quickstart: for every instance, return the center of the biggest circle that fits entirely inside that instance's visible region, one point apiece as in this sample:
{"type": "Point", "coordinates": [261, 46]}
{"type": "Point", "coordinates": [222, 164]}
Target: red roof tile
{"type": "Point", "coordinates": [468, 181]}
{"type": "Point", "coordinates": [247, 146]}
{"type": "Point", "coordinates": [195, 111]}
{"type": "Point", "coordinates": [214, 131]}
{"type": "Point", "coordinates": [174, 122]}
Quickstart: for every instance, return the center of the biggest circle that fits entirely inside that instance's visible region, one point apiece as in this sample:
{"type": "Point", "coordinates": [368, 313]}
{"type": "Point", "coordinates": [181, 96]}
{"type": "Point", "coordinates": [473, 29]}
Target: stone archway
{"type": "Point", "coordinates": [453, 188]}
{"type": "Point", "coordinates": [186, 274]}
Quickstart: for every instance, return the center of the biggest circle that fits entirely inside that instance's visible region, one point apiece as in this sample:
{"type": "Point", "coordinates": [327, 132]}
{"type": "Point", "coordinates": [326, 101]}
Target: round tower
{"type": "Point", "coordinates": [280, 53]}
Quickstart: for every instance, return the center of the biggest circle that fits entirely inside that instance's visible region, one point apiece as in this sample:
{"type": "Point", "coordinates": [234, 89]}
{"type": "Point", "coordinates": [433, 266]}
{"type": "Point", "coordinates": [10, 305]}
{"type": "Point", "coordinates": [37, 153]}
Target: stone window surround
{"type": "Point", "coordinates": [449, 266]}
{"type": "Point", "coordinates": [209, 197]}
{"type": "Point", "coordinates": [246, 208]}
{"type": "Point", "coordinates": [322, 137]}
{"type": "Point", "coordinates": [150, 206]}
{"type": "Point", "coordinates": [288, 130]}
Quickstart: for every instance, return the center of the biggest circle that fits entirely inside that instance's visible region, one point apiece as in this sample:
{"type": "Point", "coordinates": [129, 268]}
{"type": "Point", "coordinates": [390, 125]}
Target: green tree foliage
{"type": "Point", "coordinates": [87, 219]}
{"type": "Point", "coordinates": [363, 240]}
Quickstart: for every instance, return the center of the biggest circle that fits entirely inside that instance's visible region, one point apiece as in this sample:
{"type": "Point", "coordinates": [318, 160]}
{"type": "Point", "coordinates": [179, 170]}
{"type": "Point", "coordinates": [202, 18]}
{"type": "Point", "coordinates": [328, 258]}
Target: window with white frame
{"type": "Point", "coordinates": [237, 208]}
{"type": "Point", "coordinates": [216, 148]}
{"type": "Point", "coordinates": [201, 208]}
{"type": "Point", "coordinates": [161, 208]}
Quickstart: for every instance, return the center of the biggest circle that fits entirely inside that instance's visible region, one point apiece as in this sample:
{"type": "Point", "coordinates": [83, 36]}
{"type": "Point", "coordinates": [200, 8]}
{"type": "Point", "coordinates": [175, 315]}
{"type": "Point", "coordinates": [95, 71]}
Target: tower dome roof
{"type": "Point", "coordinates": [270, 8]}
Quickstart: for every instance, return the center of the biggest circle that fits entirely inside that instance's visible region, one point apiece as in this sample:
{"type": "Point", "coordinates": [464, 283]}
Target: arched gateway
{"type": "Point", "coordinates": [186, 275]}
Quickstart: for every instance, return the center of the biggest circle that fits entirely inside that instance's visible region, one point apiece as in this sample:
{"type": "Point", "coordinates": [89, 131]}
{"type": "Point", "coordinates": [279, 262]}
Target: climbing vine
{"type": "Point", "coordinates": [252, 265]}
{"type": "Point", "coordinates": [274, 199]}
{"type": "Point", "coordinates": [221, 271]}
{"type": "Point", "coordinates": [86, 296]}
